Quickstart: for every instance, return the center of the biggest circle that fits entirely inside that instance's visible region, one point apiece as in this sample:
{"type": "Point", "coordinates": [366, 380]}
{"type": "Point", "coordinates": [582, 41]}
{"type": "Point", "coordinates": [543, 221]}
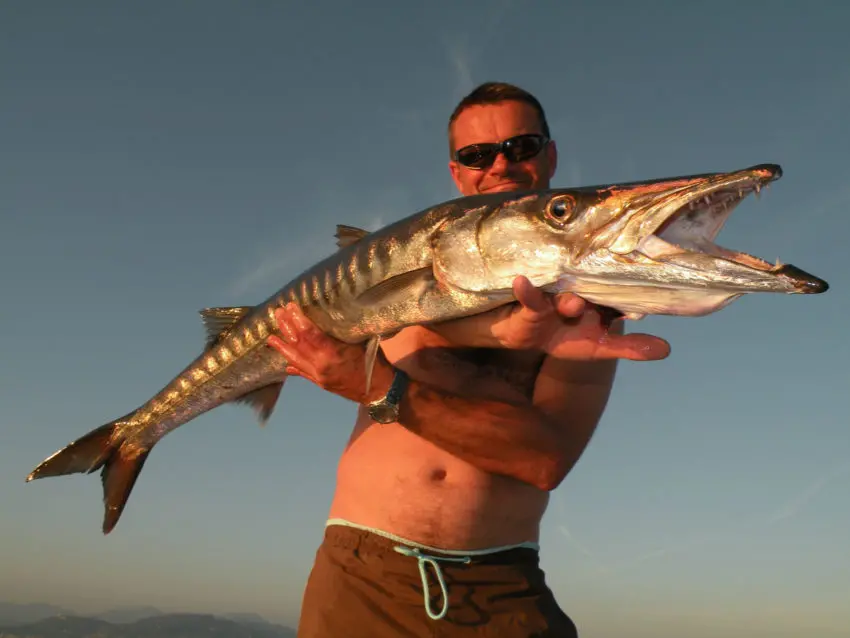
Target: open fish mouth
{"type": "Point", "coordinates": [689, 219]}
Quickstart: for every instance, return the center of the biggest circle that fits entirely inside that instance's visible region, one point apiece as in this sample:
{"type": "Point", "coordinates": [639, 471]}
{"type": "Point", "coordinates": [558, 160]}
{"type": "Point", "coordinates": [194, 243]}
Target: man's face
{"type": "Point", "coordinates": [496, 123]}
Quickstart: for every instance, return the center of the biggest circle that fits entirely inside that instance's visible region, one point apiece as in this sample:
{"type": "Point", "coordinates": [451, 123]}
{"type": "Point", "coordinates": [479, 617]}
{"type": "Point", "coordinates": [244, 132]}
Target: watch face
{"type": "Point", "coordinates": [384, 413]}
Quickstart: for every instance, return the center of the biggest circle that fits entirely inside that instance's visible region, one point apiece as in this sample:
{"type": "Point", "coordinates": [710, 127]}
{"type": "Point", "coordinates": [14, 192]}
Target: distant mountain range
{"type": "Point", "coordinates": [49, 621]}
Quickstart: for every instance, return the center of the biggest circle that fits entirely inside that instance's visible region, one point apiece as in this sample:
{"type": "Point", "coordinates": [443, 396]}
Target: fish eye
{"type": "Point", "coordinates": [560, 210]}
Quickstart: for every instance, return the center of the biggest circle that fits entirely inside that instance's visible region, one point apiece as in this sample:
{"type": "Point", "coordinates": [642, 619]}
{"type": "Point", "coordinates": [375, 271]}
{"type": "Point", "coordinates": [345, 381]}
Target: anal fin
{"type": "Point", "coordinates": [262, 400]}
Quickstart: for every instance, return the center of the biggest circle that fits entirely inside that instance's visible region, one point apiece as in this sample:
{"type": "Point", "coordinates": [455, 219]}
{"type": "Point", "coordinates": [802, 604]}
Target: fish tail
{"type": "Point", "coordinates": [105, 449]}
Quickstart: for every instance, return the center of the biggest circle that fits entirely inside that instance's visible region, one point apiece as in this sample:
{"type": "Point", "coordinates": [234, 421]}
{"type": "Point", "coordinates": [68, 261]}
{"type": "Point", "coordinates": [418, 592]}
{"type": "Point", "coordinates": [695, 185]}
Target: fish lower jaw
{"type": "Point", "coordinates": [659, 249]}
{"type": "Point", "coordinates": [638, 299]}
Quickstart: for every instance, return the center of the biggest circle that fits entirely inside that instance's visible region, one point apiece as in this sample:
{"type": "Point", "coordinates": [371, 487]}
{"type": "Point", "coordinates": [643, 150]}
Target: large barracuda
{"type": "Point", "coordinates": [639, 248]}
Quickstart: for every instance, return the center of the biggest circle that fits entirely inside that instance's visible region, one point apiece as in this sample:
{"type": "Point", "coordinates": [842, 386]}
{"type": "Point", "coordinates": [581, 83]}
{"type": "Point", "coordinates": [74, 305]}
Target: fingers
{"type": "Point", "coordinates": [634, 346]}
{"type": "Point", "coordinates": [293, 327]}
{"type": "Point", "coordinates": [569, 305]}
{"type": "Point", "coordinates": [302, 323]}
{"type": "Point", "coordinates": [289, 354]}
{"type": "Point", "coordinates": [285, 326]}
{"type": "Point", "coordinates": [566, 304]}
{"type": "Point", "coordinates": [530, 297]}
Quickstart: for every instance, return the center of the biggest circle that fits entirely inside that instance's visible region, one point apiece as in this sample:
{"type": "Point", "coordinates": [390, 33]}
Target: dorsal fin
{"type": "Point", "coordinates": [348, 235]}
{"type": "Point", "coordinates": [217, 321]}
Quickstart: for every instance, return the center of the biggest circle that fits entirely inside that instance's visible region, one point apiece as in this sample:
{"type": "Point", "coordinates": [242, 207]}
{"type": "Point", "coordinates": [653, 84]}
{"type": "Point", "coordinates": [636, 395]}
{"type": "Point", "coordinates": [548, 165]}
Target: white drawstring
{"type": "Point", "coordinates": [425, 559]}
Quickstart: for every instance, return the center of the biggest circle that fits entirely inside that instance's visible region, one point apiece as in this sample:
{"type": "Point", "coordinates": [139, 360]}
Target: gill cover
{"type": "Point", "coordinates": [488, 247]}
{"type": "Point", "coordinates": [458, 262]}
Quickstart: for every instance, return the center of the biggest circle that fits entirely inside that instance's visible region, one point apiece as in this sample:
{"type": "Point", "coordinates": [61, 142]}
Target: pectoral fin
{"type": "Point", "coordinates": [413, 283]}
{"type": "Point", "coordinates": [371, 355]}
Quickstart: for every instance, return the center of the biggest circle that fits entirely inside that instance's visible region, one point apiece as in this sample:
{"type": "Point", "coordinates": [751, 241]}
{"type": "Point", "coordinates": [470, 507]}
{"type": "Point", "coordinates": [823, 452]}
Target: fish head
{"type": "Point", "coordinates": [639, 247]}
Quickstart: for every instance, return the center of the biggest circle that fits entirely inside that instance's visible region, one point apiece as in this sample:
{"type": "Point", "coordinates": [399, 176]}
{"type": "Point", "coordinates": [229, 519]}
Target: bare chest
{"type": "Point", "coordinates": [483, 372]}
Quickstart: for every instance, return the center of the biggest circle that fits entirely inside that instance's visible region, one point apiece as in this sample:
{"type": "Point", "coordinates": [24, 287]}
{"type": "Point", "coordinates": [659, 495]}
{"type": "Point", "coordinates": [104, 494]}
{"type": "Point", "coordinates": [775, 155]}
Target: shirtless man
{"type": "Point", "coordinates": [434, 525]}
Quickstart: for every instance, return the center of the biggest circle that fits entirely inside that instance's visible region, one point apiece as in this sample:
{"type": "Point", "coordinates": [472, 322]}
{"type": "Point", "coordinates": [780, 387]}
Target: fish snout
{"type": "Point", "coordinates": [802, 281]}
{"type": "Point", "coordinates": [771, 172]}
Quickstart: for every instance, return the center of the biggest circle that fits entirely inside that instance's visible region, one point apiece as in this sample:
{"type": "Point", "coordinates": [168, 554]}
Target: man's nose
{"type": "Point", "coordinates": [500, 164]}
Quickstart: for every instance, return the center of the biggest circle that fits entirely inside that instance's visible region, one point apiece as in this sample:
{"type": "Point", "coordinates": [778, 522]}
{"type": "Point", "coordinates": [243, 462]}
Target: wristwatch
{"type": "Point", "coordinates": [385, 409]}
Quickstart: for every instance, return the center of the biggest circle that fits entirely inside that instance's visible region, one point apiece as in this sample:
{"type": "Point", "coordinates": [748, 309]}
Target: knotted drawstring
{"type": "Point", "coordinates": [423, 560]}
{"type": "Point", "coordinates": [413, 549]}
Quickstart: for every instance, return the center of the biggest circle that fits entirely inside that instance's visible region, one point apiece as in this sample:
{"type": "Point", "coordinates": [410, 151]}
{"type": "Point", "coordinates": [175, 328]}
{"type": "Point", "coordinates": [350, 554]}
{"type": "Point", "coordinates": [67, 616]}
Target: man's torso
{"type": "Point", "coordinates": [393, 480]}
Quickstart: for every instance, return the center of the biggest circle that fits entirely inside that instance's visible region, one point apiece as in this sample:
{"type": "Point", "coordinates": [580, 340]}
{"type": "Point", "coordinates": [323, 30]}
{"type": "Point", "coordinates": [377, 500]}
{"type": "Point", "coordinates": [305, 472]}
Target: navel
{"type": "Point", "coordinates": [438, 474]}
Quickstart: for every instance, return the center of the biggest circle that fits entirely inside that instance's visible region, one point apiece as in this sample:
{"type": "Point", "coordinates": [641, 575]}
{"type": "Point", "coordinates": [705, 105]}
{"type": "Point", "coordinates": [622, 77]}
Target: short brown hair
{"type": "Point", "coordinates": [494, 93]}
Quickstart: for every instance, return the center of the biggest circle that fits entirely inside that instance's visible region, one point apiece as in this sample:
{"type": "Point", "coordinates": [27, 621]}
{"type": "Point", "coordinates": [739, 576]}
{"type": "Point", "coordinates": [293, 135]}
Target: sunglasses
{"type": "Point", "coordinates": [515, 149]}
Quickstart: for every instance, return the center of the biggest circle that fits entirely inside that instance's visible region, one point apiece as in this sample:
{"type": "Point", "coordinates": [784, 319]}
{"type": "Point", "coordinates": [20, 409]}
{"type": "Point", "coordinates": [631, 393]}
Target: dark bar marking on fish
{"type": "Point", "coordinates": [330, 288]}
{"type": "Point", "coordinates": [261, 329]}
{"type": "Point", "coordinates": [315, 290]}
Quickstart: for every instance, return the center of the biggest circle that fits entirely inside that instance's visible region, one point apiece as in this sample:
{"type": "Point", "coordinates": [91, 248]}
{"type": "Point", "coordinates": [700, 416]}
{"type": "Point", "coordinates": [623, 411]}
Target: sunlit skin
{"type": "Point", "coordinates": [495, 123]}
{"type": "Point", "coordinates": [483, 435]}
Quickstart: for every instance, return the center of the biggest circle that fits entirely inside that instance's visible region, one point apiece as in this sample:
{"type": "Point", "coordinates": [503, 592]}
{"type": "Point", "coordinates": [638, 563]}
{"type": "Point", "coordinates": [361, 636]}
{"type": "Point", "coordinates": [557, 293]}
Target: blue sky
{"type": "Point", "coordinates": [165, 157]}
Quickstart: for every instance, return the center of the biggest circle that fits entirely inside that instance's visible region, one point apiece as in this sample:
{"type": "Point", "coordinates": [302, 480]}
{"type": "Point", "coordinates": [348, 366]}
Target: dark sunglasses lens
{"type": "Point", "coordinates": [519, 149]}
{"type": "Point", "coordinates": [477, 155]}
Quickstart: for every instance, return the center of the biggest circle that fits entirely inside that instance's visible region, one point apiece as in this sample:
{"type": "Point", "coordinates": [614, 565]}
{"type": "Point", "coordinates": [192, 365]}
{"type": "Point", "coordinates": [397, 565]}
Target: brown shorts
{"type": "Point", "coordinates": [361, 587]}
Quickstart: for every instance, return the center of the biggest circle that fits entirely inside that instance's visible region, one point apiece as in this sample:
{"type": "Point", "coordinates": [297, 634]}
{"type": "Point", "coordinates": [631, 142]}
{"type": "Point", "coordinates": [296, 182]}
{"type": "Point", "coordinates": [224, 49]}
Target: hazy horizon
{"type": "Point", "coordinates": [162, 158]}
{"type": "Point", "coordinates": [111, 614]}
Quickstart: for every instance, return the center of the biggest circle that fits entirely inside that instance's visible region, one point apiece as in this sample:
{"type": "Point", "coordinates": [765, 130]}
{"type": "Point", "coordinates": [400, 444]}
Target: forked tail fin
{"type": "Point", "coordinates": [121, 462]}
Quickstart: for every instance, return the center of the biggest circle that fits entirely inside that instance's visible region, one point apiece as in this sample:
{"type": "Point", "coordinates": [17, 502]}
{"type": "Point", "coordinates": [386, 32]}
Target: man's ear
{"type": "Point", "coordinates": [455, 169]}
{"type": "Point", "coordinates": [552, 156]}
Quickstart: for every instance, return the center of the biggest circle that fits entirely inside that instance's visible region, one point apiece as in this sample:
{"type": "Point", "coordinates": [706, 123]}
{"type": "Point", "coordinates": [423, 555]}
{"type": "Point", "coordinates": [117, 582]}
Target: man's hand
{"type": "Point", "coordinates": [566, 327]}
{"type": "Point", "coordinates": [563, 326]}
{"type": "Point", "coordinates": [329, 363]}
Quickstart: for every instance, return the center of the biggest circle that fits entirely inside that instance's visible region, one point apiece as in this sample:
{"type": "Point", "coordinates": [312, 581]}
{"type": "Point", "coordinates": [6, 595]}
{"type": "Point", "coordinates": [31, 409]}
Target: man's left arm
{"type": "Point", "coordinates": [573, 396]}
{"type": "Point", "coordinates": [538, 443]}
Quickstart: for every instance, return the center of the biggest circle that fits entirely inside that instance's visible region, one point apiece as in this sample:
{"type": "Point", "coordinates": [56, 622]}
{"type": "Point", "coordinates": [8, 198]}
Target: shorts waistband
{"type": "Point", "coordinates": [432, 556]}
{"type": "Point", "coordinates": [428, 548]}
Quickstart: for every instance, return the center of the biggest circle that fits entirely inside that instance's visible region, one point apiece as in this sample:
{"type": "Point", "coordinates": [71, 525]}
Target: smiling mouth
{"type": "Point", "coordinates": [506, 186]}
